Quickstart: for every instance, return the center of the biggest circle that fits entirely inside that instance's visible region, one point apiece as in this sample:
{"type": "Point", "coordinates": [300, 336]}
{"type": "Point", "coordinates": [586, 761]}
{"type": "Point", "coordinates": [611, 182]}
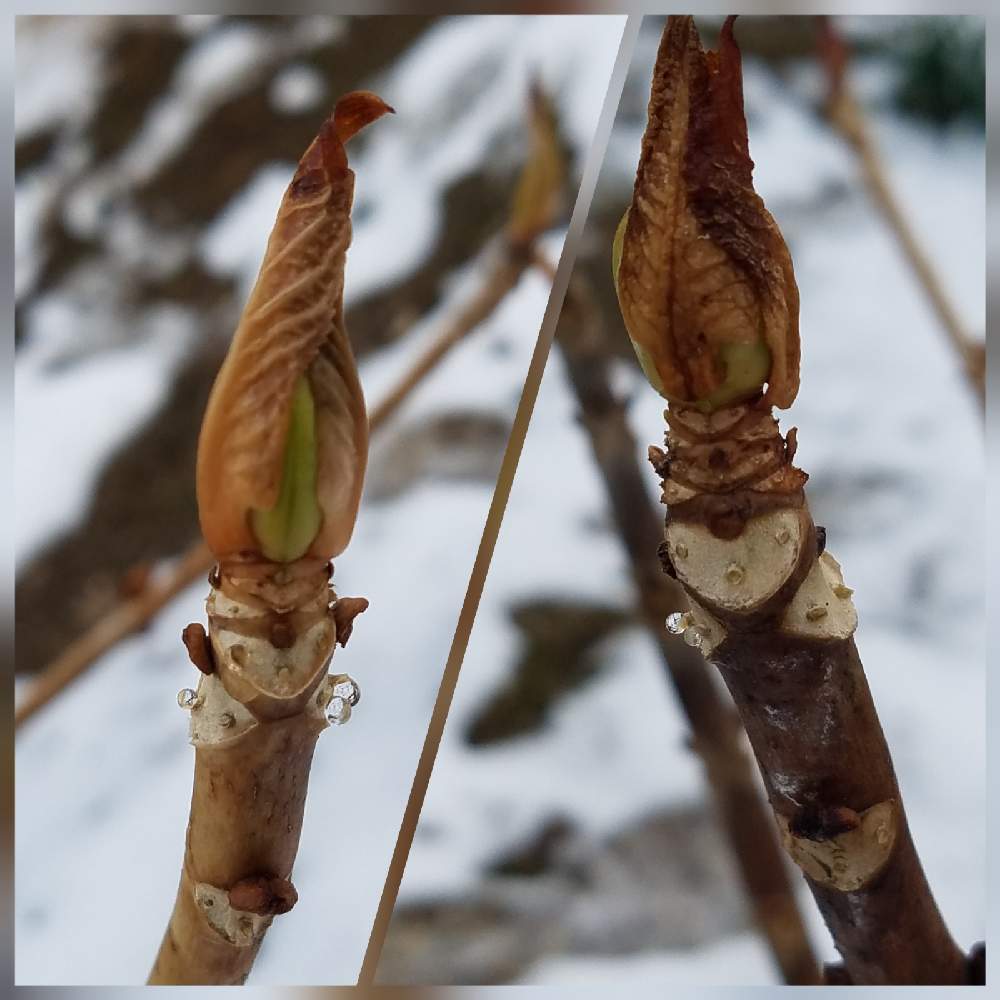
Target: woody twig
{"type": "Point", "coordinates": [709, 299]}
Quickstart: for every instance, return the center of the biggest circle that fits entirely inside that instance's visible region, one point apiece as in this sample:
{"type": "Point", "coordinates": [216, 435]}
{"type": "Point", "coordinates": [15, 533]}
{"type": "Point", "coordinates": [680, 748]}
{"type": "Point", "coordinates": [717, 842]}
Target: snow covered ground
{"type": "Point", "coordinates": [892, 437]}
{"type": "Point", "coordinates": [103, 775]}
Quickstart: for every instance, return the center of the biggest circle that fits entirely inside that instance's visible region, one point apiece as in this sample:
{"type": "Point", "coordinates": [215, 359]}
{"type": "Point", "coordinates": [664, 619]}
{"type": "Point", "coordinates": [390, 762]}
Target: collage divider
{"type": "Point", "coordinates": [498, 504]}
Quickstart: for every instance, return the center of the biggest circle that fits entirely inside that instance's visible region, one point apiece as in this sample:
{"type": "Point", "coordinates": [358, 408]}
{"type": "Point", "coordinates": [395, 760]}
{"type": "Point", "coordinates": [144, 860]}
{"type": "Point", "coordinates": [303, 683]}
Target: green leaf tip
{"type": "Point", "coordinates": [747, 368]}
{"type": "Point", "coordinates": [286, 531]}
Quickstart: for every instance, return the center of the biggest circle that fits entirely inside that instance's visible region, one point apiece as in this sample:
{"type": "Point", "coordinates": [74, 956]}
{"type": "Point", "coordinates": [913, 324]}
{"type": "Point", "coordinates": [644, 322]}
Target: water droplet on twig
{"type": "Point", "coordinates": [677, 622]}
{"type": "Point", "coordinates": [347, 688]}
{"type": "Point", "coordinates": [188, 698]}
{"type": "Point", "coordinates": [338, 711]}
{"type": "Point", "coordinates": [694, 637]}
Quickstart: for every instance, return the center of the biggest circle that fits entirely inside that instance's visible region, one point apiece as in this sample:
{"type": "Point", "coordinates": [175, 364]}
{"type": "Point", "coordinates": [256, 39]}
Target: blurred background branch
{"type": "Point", "coordinates": [936, 53]}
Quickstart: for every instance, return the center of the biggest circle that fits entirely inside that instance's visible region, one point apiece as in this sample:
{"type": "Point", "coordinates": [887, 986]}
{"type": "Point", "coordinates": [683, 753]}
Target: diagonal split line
{"type": "Point", "coordinates": [491, 530]}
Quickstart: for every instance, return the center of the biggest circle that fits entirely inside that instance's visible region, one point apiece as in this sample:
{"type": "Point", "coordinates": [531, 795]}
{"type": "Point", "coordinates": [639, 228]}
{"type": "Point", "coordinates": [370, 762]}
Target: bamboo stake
{"type": "Point", "coordinates": [847, 116]}
{"type": "Point", "coordinates": [707, 291]}
{"type": "Point", "coordinates": [717, 736]}
{"type": "Point", "coordinates": [281, 459]}
{"type": "Point", "coordinates": [533, 211]}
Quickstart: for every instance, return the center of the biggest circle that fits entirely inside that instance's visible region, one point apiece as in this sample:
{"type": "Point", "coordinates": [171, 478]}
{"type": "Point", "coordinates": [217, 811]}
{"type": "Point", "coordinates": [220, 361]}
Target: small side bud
{"type": "Point", "coordinates": [199, 649]}
{"type": "Point", "coordinates": [263, 895]}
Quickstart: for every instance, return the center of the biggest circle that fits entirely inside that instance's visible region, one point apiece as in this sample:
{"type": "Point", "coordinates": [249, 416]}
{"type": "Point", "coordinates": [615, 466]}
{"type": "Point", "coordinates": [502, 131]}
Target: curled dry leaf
{"type": "Point", "coordinates": [704, 278]}
{"type": "Point", "coordinates": [284, 442]}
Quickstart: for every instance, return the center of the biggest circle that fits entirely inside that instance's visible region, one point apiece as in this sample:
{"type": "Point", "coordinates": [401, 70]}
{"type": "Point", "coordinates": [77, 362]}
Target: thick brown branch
{"type": "Point", "coordinates": [813, 727]}
{"type": "Point", "coordinates": [716, 734]}
{"type": "Point", "coordinates": [769, 605]}
{"type": "Point", "coordinates": [774, 615]}
{"type": "Point", "coordinates": [246, 818]}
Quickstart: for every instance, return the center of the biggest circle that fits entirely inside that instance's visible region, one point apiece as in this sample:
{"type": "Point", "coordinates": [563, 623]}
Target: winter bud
{"type": "Point", "coordinates": [704, 278]}
{"type": "Point", "coordinates": [284, 442]}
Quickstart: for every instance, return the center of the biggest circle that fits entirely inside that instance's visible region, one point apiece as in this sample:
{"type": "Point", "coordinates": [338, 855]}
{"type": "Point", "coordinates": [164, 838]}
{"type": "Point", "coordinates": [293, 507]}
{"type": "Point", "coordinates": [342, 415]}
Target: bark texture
{"type": "Point", "coordinates": [246, 818]}
{"type": "Point", "coordinates": [255, 719]}
{"type": "Point", "coordinates": [715, 731]}
{"type": "Point", "coordinates": [771, 610]}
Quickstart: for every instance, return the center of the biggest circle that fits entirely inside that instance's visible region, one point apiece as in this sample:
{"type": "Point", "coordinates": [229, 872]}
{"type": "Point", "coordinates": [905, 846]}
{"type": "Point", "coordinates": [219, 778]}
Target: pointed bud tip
{"type": "Point", "coordinates": [356, 110]}
{"type": "Point", "coordinates": [326, 156]}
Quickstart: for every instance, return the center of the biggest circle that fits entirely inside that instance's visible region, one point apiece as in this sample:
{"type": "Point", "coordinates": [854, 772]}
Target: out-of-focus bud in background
{"type": "Point", "coordinates": [541, 190]}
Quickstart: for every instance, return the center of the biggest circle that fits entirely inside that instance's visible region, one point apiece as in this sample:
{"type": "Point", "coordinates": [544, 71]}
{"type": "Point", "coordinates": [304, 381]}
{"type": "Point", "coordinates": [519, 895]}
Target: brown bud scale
{"type": "Point", "coordinates": [703, 264]}
{"type": "Point", "coordinates": [292, 326]}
